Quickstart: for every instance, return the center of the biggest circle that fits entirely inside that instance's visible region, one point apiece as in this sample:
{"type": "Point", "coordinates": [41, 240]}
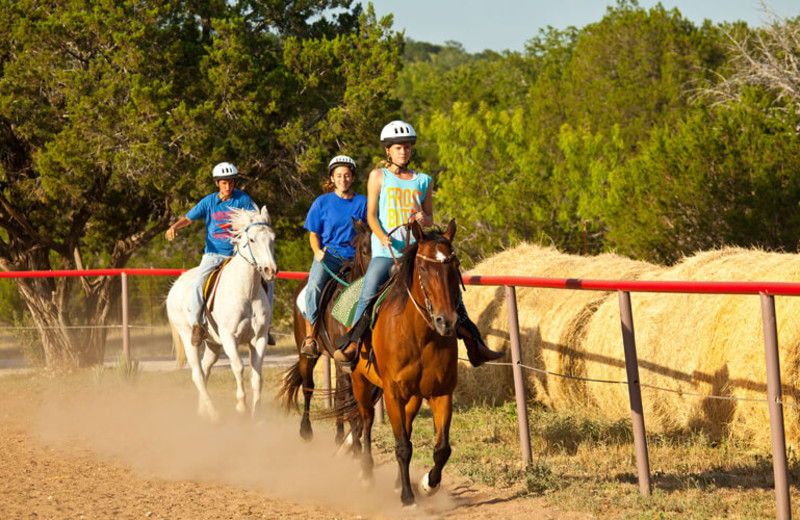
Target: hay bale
{"type": "Point", "coordinates": [551, 321]}
{"type": "Point", "coordinates": [702, 344]}
{"type": "Point", "coordinates": [686, 343]}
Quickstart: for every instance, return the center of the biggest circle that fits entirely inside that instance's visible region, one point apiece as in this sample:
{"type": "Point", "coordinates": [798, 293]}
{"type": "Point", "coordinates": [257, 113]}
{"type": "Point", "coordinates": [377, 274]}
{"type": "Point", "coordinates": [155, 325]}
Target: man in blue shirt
{"type": "Point", "coordinates": [215, 210]}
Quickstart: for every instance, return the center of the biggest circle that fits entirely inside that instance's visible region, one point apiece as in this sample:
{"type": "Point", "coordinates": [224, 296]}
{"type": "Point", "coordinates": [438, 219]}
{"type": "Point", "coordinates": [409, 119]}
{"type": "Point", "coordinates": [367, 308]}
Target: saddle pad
{"type": "Point", "coordinates": [301, 301]}
{"type": "Point", "coordinates": [345, 307]}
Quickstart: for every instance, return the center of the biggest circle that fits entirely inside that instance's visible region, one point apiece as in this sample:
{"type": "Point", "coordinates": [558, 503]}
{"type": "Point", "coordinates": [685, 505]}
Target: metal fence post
{"type": "Point", "coordinates": [634, 392]}
{"type": "Point", "coordinates": [519, 380]}
{"type": "Point", "coordinates": [779, 464]}
{"type": "Point", "coordinates": [126, 333]}
{"type": "Point", "coordinates": [326, 381]}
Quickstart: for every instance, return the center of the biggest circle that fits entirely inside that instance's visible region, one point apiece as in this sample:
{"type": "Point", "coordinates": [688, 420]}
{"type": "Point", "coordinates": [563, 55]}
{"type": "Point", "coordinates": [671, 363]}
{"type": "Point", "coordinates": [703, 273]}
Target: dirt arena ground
{"type": "Point", "coordinates": [139, 451]}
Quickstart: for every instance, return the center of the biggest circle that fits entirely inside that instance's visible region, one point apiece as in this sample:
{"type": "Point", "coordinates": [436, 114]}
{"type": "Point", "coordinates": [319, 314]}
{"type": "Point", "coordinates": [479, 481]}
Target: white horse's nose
{"type": "Point", "coordinates": [269, 273]}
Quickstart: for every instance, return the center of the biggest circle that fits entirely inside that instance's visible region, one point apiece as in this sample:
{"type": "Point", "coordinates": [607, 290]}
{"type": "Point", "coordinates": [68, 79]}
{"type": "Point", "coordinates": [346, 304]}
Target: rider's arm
{"type": "Point", "coordinates": [426, 218]}
{"type": "Point", "coordinates": [316, 246]}
{"type": "Point", "coordinates": [173, 229]}
{"type": "Point", "coordinates": [373, 195]}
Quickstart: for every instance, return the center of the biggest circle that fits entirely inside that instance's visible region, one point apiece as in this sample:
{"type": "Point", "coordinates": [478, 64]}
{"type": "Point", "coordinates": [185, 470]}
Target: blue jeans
{"type": "Point", "coordinates": [317, 276]}
{"type": "Point", "coordinates": [377, 274]}
{"type": "Point", "coordinates": [208, 263]}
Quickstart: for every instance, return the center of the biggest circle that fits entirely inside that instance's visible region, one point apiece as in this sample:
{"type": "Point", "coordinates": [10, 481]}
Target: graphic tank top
{"type": "Point", "coordinates": [398, 200]}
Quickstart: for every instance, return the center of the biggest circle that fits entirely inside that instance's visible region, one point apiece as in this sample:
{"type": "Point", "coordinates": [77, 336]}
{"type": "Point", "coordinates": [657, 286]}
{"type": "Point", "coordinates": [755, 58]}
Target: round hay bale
{"type": "Point", "coordinates": [701, 344]}
{"type": "Point", "coordinates": [552, 321]}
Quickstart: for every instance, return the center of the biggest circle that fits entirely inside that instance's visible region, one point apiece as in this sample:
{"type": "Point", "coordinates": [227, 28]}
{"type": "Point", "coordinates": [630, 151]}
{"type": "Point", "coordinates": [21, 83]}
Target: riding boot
{"type": "Point", "coordinates": [309, 347]}
{"type": "Point", "coordinates": [198, 334]}
{"type": "Point", "coordinates": [477, 351]}
{"type": "Point", "coordinates": [348, 354]}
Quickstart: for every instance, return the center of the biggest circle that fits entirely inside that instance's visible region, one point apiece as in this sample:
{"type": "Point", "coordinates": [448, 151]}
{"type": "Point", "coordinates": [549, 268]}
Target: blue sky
{"type": "Point", "coordinates": [507, 24]}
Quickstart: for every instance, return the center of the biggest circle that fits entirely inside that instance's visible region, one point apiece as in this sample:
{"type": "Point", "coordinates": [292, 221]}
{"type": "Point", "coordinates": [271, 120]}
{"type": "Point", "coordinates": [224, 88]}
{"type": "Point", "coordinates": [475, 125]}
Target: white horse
{"type": "Point", "coordinates": [241, 311]}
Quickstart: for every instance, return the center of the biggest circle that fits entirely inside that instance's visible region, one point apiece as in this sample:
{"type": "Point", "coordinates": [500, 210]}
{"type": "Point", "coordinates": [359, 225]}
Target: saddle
{"type": "Point", "coordinates": [210, 288]}
{"type": "Point", "coordinates": [361, 330]}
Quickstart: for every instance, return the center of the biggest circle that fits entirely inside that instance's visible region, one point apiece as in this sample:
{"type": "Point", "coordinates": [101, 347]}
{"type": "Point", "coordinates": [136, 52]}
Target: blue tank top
{"type": "Point", "coordinates": [398, 200]}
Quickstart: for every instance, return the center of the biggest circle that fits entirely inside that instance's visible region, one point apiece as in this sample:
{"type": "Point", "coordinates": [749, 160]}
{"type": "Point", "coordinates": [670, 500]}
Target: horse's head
{"type": "Point", "coordinates": [363, 246]}
{"type": "Point", "coordinates": [436, 269]}
{"type": "Point", "coordinates": [255, 240]}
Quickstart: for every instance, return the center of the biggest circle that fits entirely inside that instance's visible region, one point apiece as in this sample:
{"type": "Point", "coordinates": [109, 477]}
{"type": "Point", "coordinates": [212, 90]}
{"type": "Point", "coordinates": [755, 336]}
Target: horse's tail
{"type": "Point", "coordinates": [292, 382]}
{"type": "Point", "coordinates": [177, 347]}
{"type": "Point", "coordinates": [346, 407]}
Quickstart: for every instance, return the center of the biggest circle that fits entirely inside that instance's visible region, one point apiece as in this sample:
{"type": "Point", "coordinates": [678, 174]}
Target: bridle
{"type": "Point", "coordinates": [428, 304]}
{"type": "Point", "coordinates": [252, 260]}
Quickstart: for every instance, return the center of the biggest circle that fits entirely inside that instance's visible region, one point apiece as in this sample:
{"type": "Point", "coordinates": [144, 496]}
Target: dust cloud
{"type": "Point", "coordinates": [159, 434]}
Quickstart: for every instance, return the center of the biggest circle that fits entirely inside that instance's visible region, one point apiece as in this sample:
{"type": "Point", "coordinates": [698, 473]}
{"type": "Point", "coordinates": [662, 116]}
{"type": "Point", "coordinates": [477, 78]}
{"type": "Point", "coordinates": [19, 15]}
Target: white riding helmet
{"type": "Point", "coordinates": [341, 160]}
{"type": "Point", "coordinates": [398, 132]}
{"type": "Point", "coordinates": [225, 170]}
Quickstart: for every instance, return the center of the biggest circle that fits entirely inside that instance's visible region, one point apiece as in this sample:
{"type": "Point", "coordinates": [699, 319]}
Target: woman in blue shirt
{"type": "Point", "coordinates": [330, 233]}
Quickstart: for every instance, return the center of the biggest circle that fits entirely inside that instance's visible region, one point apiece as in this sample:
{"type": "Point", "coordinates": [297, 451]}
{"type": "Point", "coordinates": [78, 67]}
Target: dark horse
{"type": "Point", "coordinates": [415, 353]}
{"type": "Point", "coordinates": [302, 372]}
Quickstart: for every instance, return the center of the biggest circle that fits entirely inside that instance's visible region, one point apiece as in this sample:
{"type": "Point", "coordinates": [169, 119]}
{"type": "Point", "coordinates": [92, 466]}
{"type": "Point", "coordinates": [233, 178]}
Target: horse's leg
{"type": "Point", "coordinates": [307, 371]}
{"type": "Point", "coordinates": [343, 391]}
{"type": "Point", "coordinates": [230, 347]}
{"type": "Point", "coordinates": [210, 356]}
{"type": "Point", "coordinates": [205, 408]}
{"type": "Point", "coordinates": [362, 390]}
{"type": "Point", "coordinates": [442, 408]}
{"type": "Point", "coordinates": [396, 409]}
{"type": "Point", "coordinates": [257, 348]}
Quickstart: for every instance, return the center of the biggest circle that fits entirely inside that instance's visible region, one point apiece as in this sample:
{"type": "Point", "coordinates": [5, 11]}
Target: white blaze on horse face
{"type": "Point", "coordinates": [441, 257]}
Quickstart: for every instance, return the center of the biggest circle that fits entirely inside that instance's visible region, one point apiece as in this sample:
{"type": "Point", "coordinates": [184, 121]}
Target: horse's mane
{"type": "Point", "coordinates": [241, 218]}
{"type": "Point", "coordinates": [404, 276]}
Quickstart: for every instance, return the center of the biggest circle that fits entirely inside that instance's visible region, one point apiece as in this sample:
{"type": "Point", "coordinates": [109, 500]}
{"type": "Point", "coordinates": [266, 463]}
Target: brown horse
{"type": "Point", "coordinates": [415, 353]}
{"type": "Point", "coordinates": [302, 372]}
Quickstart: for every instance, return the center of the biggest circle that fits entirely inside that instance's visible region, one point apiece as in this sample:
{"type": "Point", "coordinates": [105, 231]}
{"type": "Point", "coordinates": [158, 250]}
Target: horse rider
{"type": "Point", "coordinates": [395, 195]}
{"type": "Point", "coordinates": [330, 232]}
{"type": "Point", "coordinates": [215, 210]}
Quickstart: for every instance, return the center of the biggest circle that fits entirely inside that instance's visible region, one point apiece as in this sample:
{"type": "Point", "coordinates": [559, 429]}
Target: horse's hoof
{"type": "Point", "coordinates": [411, 506]}
{"type": "Point", "coordinates": [345, 446]}
{"type": "Point", "coordinates": [366, 479]}
{"type": "Point", "coordinates": [425, 486]}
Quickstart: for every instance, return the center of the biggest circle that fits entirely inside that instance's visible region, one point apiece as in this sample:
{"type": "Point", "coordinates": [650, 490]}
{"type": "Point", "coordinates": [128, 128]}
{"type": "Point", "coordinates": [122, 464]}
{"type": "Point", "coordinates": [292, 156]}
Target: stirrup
{"type": "Point", "coordinates": [309, 348]}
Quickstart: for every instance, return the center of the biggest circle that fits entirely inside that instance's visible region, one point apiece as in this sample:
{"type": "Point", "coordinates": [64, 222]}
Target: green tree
{"type": "Point", "coordinates": [112, 114]}
{"type": "Point", "coordinates": [725, 176]}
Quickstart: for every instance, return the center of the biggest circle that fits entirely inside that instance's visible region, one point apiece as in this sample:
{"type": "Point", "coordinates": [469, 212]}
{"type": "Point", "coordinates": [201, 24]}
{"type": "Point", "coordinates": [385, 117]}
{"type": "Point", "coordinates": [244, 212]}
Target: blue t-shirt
{"type": "Point", "coordinates": [217, 215]}
{"type": "Point", "coordinates": [329, 217]}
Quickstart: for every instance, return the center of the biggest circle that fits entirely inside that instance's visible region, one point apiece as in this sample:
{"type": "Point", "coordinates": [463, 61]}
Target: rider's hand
{"type": "Point", "coordinates": [319, 255]}
{"type": "Point", "coordinates": [386, 241]}
{"type": "Point", "coordinates": [421, 217]}
{"type": "Point", "coordinates": [170, 234]}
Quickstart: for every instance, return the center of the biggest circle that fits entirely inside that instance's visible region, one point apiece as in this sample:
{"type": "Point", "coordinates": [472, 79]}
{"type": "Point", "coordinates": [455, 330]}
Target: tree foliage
{"type": "Point", "coordinates": [113, 113]}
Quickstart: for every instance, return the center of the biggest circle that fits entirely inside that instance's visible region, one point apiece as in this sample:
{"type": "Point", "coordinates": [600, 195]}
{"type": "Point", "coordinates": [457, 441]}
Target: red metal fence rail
{"type": "Point", "coordinates": [766, 291]}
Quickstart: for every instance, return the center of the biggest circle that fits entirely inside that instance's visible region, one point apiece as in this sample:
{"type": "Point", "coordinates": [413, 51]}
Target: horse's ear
{"type": "Point", "coordinates": [265, 214]}
{"type": "Point", "coordinates": [416, 230]}
{"type": "Point", "coordinates": [451, 230]}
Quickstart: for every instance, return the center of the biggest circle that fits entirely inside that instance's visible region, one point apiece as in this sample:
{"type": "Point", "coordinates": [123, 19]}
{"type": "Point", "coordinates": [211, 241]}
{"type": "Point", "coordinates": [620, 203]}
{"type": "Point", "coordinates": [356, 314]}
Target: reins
{"type": "Point", "coordinates": [337, 255]}
{"type": "Point", "coordinates": [428, 305]}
